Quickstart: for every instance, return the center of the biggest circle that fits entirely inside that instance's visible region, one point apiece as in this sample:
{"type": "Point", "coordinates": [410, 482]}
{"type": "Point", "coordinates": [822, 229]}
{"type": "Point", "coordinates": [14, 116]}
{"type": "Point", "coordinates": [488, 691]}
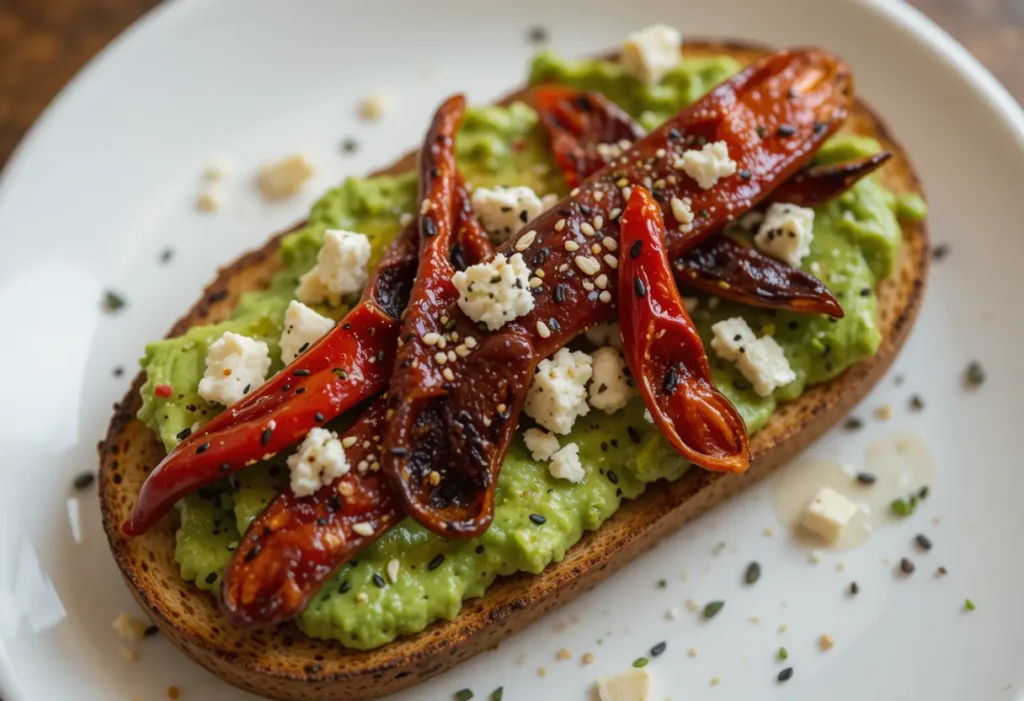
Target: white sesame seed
{"type": "Point", "coordinates": [441, 358]}
{"type": "Point", "coordinates": [431, 338]}
{"type": "Point", "coordinates": [461, 350]}
{"type": "Point", "coordinates": [598, 221]}
{"type": "Point", "coordinates": [587, 229]}
{"type": "Point", "coordinates": [559, 225]}
{"type": "Point", "coordinates": [563, 267]}
{"type": "Point", "coordinates": [470, 342]}
{"type": "Point", "coordinates": [442, 342]}
{"type": "Point", "coordinates": [588, 265]}
{"type": "Point", "coordinates": [540, 273]}
{"type": "Point", "coordinates": [598, 196]}
{"type": "Point", "coordinates": [572, 246]}
{"type": "Point", "coordinates": [575, 191]}
{"type": "Point", "coordinates": [500, 408]}
{"type": "Point", "coordinates": [348, 441]}
{"type": "Point", "coordinates": [363, 528]}
{"type": "Point", "coordinates": [543, 329]}
{"type": "Point", "coordinates": [610, 243]}
{"type": "Point", "coordinates": [626, 192]}
{"type": "Point", "coordinates": [588, 285]}
{"type": "Point", "coordinates": [601, 281]}
{"type": "Point", "coordinates": [454, 336]}
{"type": "Point", "coordinates": [622, 182]}
{"type": "Point", "coordinates": [392, 569]}
{"type": "Point", "coordinates": [611, 260]}
{"type": "Point", "coordinates": [605, 296]}
{"type": "Point", "coordinates": [451, 356]}
{"type": "Point", "coordinates": [405, 219]}
{"type": "Point", "coordinates": [660, 153]}
{"type": "Point", "coordinates": [526, 240]}
{"type": "Point", "coordinates": [614, 214]}
{"type": "Point", "coordinates": [536, 282]}
{"type": "Point", "coordinates": [595, 248]}
{"type": "Point", "coordinates": [624, 144]}
{"type": "Point", "coordinates": [425, 206]}
{"type": "Point", "coordinates": [448, 374]}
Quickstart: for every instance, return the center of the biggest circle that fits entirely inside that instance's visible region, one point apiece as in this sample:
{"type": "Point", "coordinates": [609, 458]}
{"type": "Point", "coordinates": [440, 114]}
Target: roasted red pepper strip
{"type": "Point", "coordinates": [722, 267]}
{"type": "Point", "coordinates": [819, 184]}
{"type": "Point", "coordinates": [314, 534]}
{"type": "Point", "coordinates": [347, 366]}
{"type": "Point", "coordinates": [465, 434]}
{"type": "Point", "coordinates": [297, 543]}
{"type": "Point", "coordinates": [579, 123]}
{"type": "Point", "coordinates": [664, 352]}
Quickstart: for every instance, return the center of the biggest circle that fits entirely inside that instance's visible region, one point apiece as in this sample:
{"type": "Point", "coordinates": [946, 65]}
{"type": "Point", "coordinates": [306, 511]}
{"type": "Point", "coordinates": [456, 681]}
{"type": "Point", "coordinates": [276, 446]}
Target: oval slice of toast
{"type": "Point", "coordinates": [282, 663]}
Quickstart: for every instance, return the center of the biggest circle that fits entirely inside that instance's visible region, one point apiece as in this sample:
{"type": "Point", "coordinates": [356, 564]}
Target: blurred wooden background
{"type": "Point", "coordinates": [43, 43]}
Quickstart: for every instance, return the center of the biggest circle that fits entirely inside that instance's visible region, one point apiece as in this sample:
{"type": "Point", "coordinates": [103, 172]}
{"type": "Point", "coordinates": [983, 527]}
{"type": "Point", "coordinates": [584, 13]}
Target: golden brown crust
{"type": "Point", "coordinates": [282, 663]}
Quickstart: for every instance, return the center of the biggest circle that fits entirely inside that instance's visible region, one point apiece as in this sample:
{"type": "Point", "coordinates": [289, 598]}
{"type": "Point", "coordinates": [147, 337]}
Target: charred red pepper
{"type": "Point", "coordinates": [773, 117]}
{"type": "Point", "coordinates": [586, 130]}
{"type": "Point", "coordinates": [315, 535]}
{"type": "Point", "coordinates": [722, 267]}
{"type": "Point", "coordinates": [664, 352]}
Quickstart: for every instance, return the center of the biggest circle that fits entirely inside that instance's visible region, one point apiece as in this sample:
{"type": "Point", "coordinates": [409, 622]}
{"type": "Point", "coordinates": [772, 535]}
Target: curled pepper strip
{"type": "Point", "coordinates": [773, 117]}
{"type": "Point", "coordinates": [313, 536]}
{"type": "Point", "coordinates": [664, 352]}
{"type": "Point", "coordinates": [420, 433]}
{"type": "Point", "coordinates": [350, 364]}
{"type": "Point", "coordinates": [297, 543]}
{"type": "Point", "coordinates": [720, 266]}
{"type": "Point", "coordinates": [819, 184]}
{"type": "Point", "coordinates": [578, 121]}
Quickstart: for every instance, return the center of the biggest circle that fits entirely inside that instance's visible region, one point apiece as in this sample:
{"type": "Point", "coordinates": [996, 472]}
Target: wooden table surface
{"type": "Point", "coordinates": [43, 43]}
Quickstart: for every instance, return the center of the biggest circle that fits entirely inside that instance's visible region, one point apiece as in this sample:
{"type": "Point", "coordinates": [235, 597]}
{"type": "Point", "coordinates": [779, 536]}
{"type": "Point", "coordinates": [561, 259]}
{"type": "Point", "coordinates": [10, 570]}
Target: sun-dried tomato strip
{"type": "Point", "coordinates": [664, 352]}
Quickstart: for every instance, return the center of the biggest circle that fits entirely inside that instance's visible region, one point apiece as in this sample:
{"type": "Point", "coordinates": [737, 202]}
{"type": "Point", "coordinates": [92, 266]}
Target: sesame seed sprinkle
{"type": "Point", "coordinates": [587, 265]}
{"type": "Point", "coordinates": [526, 240]}
{"type": "Point", "coordinates": [587, 229]}
{"type": "Point", "coordinates": [543, 330]}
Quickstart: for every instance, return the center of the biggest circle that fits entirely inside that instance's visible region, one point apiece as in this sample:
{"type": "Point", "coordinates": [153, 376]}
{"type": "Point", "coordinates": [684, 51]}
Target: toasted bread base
{"type": "Point", "coordinates": [282, 663]}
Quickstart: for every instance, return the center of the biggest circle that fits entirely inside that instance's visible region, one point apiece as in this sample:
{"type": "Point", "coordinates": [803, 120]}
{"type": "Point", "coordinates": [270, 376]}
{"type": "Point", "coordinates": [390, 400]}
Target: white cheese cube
{"type": "Point", "coordinates": [319, 461]}
{"type": "Point", "coordinates": [609, 388]}
{"type": "Point", "coordinates": [786, 233]}
{"type": "Point", "coordinates": [558, 393]}
{"type": "Point", "coordinates": [708, 165]}
{"type": "Point", "coordinates": [280, 180]}
{"type": "Point", "coordinates": [504, 210]}
{"type": "Point", "coordinates": [827, 514]}
{"type": "Point", "coordinates": [650, 53]}
{"type": "Point", "coordinates": [302, 328]}
{"type": "Point", "coordinates": [632, 685]}
{"type": "Point", "coordinates": [541, 444]}
{"type": "Point", "coordinates": [566, 465]}
{"type": "Point", "coordinates": [235, 365]}
{"type": "Point", "coordinates": [730, 336]}
{"type": "Point", "coordinates": [495, 292]}
{"type": "Point", "coordinates": [341, 268]}
{"type": "Point", "coordinates": [605, 334]}
{"type": "Point", "coordinates": [764, 363]}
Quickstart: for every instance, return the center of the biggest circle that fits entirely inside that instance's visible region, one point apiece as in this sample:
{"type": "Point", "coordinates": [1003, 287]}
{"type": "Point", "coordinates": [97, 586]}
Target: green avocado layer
{"type": "Point", "coordinates": [856, 241]}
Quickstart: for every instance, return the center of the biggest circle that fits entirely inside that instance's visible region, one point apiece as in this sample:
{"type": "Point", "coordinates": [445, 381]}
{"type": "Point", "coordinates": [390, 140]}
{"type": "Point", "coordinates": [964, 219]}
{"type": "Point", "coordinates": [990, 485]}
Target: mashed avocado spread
{"type": "Point", "coordinates": [856, 241]}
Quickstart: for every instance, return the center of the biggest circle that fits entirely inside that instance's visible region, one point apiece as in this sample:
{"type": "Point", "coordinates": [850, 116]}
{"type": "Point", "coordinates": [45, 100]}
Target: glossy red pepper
{"type": "Point", "coordinates": [297, 543]}
{"type": "Point", "coordinates": [772, 117]}
{"type": "Point", "coordinates": [585, 129]}
{"type": "Point", "coordinates": [664, 352]}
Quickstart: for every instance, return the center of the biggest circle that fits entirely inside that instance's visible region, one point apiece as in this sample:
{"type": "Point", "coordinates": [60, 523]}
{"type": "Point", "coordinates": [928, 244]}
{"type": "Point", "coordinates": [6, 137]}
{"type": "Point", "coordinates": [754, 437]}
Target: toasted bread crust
{"type": "Point", "coordinates": [282, 663]}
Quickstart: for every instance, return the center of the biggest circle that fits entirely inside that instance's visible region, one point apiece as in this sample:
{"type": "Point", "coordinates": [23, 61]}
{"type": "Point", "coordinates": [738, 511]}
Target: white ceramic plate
{"type": "Point", "coordinates": [108, 178]}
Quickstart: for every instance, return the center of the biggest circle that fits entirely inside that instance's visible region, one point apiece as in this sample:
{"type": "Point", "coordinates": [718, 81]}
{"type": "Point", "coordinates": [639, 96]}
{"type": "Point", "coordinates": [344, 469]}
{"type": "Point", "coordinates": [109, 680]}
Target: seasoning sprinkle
{"type": "Point", "coordinates": [640, 662]}
{"type": "Point", "coordinates": [854, 589]}
{"type": "Point", "coordinates": [634, 251]}
{"type": "Point", "coordinates": [113, 301]}
{"type": "Point", "coordinates": [535, 35]}
{"type": "Point", "coordinates": [266, 435]}
{"type": "Point", "coordinates": [435, 562]}
{"type": "Point", "coordinates": [658, 649]}
{"type": "Point", "coordinates": [786, 674]}
{"type": "Point", "coordinates": [711, 609]}
{"type": "Point", "coordinates": [463, 695]}
{"type": "Point", "coordinates": [378, 580]}
{"type": "Point", "coordinates": [969, 604]}
{"type": "Point", "coordinates": [853, 424]}
{"type": "Point", "coordinates": [538, 519]}
{"type": "Point", "coordinates": [940, 252]}
{"type": "Point", "coordinates": [923, 542]}
{"type": "Point", "coordinates": [906, 566]}
{"type": "Point", "coordinates": [916, 403]}
{"type": "Point", "coordinates": [498, 694]}
{"type": "Point", "coordinates": [84, 480]}
{"type": "Point", "coordinates": [204, 447]}
{"type": "Point", "coordinates": [866, 478]}
{"type": "Point", "coordinates": [639, 288]}
{"type": "Point", "coordinates": [786, 130]}
{"type": "Point", "coordinates": [783, 653]}
{"type": "Point", "coordinates": [974, 375]}
{"type": "Point", "coordinates": [753, 573]}
{"type": "Point", "coordinates": [211, 578]}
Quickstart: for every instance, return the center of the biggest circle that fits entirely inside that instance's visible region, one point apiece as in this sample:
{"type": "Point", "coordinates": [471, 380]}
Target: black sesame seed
{"type": "Point", "coordinates": [203, 448]}
{"type": "Point", "coordinates": [251, 555]}
{"type": "Point", "coordinates": [266, 435]}
{"type": "Point", "coordinates": [916, 403]}
{"type": "Point", "coordinates": [658, 649]}
{"type": "Point", "coordinates": [378, 580]}
{"type": "Point", "coordinates": [634, 435]}
{"type": "Point", "coordinates": [301, 372]}
{"type": "Point", "coordinates": [560, 292]}
{"type": "Point", "coordinates": [318, 417]}
{"type": "Point", "coordinates": [150, 631]}
{"type": "Point", "coordinates": [538, 519]}
{"type": "Point", "coordinates": [349, 145]}
{"type": "Point", "coordinates": [84, 480]}
{"type": "Point", "coordinates": [166, 255]}
{"type": "Point", "coordinates": [639, 288]}
{"type": "Point", "coordinates": [670, 382]}
{"type": "Point", "coordinates": [537, 35]}
{"type": "Point", "coordinates": [922, 493]}
{"type": "Point", "coordinates": [211, 578]}
{"type": "Point", "coordinates": [974, 376]}
{"type": "Point", "coordinates": [866, 478]}
{"type": "Point", "coordinates": [321, 522]}
{"type": "Point", "coordinates": [118, 370]}
{"type": "Point", "coordinates": [300, 390]}
{"type": "Point", "coordinates": [923, 541]}
{"type": "Point", "coordinates": [435, 563]}
{"type": "Point", "coordinates": [745, 174]}
{"type": "Point", "coordinates": [399, 451]}
{"type": "Point", "coordinates": [183, 434]}
{"type": "Point", "coordinates": [761, 132]}
{"type": "Point", "coordinates": [340, 373]}
{"type": "Point", "coordinates": [479, 550]}
{"type": "Point", "coordinates": [786, 674]}
{"type": "Point", "coordinates": [854, 589]}
{"type": "Point", "coordinates": [113, 301]}
{"type": "Point", "coordinates": [906, 566]}
{"type": "Point", "coordinates": [786, 130]}
{"type": "Point", "coordinates": [612, 477]}
{"type": "Point", "coordinates": [345, 586]}
{"type": "Point", "coordinates": [853, 424]}
{"type": "Point", "coordinates": [940, 252]}
{"type": "Point", "coordinates": [753, 573]}
{"type": "Point", "coordinates": [429, 227]}
{"type": "Point", "coordinates": [634, 251]}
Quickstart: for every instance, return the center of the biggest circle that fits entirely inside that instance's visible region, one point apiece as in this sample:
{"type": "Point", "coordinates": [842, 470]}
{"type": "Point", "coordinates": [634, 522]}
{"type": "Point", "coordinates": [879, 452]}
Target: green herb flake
{"type": "Point", "coordinates": [498, 693]}
{"type": "Point", "coordinates": [969, 604]}
{"type": "Point", "coordinates": [463, 695]}
{"type": "Point", "coordinates": [905, 506]}
{"type": "Point", "coordinates": [974, 375]}
{"type": "Point", "coordinates": [662, 583]}
{"type": "Point", "coordinates": [712, 608]}
{"type": "Point", "coordinates": [783, 653]}
{"type": "Point", "coordinates": [640, 662]}
{"type": "Point", "coordinates": [113, 301]}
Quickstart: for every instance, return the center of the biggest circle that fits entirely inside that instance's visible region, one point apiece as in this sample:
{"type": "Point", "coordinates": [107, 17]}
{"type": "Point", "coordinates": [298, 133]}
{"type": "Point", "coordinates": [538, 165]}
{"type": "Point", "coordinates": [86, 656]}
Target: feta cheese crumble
{"type": "Point", "coordinates": [764, 363]}
{"type": "Point", "coordinates": [566, 465]}
{"type": "Point", "coordinates": [650, 53]}
{"type": "Point", "coordinates": [786, 233]}
{"type": "Point", "coordinates": [504, 210]}
{"type": "Point", "coordinates": [631, 685]}
{"type": "Point", "coordinates": [319, 461]}
{"type": "Point", "coordinates": [541, 444]}
{"type": "Point", "coordinates": [130, 627]}
{"type": "Point", "coordinates": [495, 292]}
{"type": "Point", "coordinates": [708, 165]}
{"type": "Point", "coordinates": [558, 393]}
{"type": "Point", "coordinates": [730, 335]}
{"type": "Point", "coordinates": [341, 268]}
{"type": "Point", "coordinates": [609, 388]}
{"type": "Point", "coordinates": [827, 514]}
{"type": "Point", "coordinates": [235, 365]}
{"type": "Point", "coordinates": [605, 334]}
{"type": "Point", "coordinates": [302, 328]}
{"type": "Point", "coordinates": [281, 180]}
